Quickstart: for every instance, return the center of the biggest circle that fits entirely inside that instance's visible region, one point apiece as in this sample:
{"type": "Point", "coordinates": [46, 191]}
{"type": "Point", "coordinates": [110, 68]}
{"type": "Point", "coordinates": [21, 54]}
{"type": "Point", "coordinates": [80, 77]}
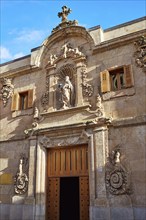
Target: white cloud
{"type": "Point", "coordinates": [30, 35]}
{"type": "Point", "coordinates": [6, 55]}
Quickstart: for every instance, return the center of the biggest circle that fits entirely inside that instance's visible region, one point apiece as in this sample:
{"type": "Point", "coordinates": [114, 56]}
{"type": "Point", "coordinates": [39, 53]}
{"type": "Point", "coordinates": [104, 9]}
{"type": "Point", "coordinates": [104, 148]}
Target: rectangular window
{"type": "Point", "coordinates": [22, 100]}
{"type": "Point", "coordinates": [116, 79]}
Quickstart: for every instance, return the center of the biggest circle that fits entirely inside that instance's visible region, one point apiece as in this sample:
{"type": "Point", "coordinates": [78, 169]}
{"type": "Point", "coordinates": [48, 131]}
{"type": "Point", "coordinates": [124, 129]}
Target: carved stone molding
{"type": "Point", "coordinates": [65, 141]}
{"type": "Point", "coordinates": [87, 89]}
{"type": "Point", "coordinates": [140, 54]}
{"type": "Point", "coordinates": [117, 177]}
{"type": "Point", "coordinates": [21, 178]}
{"type": "Point", "coordinates": [7, 90]}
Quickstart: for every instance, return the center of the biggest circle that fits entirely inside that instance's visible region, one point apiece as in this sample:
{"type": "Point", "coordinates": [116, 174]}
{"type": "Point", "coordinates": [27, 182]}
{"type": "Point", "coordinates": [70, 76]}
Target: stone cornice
{"type": "Point", "coordinates": [129, 121]}
{"type": "Point", "coordinates": [117, 42]}
{"type": "Point", "coordinates": [19, 71]}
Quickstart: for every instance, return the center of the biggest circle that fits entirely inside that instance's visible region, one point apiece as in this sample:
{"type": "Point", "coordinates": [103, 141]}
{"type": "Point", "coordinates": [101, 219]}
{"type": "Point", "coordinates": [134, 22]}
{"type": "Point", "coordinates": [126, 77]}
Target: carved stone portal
{"type": "Point", "coordinates": [117, 177]}
{"type": "Point", "coordinates": [7, 90]}
{"type": "Point", "coordinates": [21, 179]}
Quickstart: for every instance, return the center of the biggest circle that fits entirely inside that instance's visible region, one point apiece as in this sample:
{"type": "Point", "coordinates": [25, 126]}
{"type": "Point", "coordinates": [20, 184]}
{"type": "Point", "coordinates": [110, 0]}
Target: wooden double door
{"type": "Point", "coordinates": [68, 184]}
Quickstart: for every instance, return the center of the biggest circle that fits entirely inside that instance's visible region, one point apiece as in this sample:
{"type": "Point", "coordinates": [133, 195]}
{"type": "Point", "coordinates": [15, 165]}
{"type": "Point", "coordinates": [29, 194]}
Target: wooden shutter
{"type": "Point", "coordinates": [15, 102]}
{"type": "Point", "coordinates": [128, 76]}
{"type": "Point", "coordinates": [30, 98]}
{"type": "Point", "coordinates": [105, 81]}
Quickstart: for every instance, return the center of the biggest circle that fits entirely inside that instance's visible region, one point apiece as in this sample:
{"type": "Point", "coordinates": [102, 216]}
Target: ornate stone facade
{"type": "Point", "coordinates": [74, 98]}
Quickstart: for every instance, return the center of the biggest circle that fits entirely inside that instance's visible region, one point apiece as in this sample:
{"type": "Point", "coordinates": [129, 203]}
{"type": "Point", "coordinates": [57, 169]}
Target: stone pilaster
{"type": "Point", "coordinates": [101, 148]}
{"type": "Point", "coordinates": [78, 82]}
{"type": "Point", "coordinates": [40, 183]}
{"type": "Point", "coordinates": [50, 87]}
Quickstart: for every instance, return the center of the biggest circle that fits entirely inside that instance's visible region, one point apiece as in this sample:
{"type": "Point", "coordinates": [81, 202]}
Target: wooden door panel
{"type": "Point", "coordinates": [53, 199]}
{"type": "Point", "coordinates": [84, 198]}
{"type": "Point", "coordinates": [69, 161]}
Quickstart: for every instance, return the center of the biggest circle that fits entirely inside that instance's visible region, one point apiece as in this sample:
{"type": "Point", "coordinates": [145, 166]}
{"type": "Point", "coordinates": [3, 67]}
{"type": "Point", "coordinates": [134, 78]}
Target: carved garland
{"type": "Point", "coordinates": [87, 88]}
{"type": "Point", "coordinates": [140, 54]}
{"type": "Point", "coordinates": [45, 96]}
{"type": "Point", "coordinates": [7, 90]}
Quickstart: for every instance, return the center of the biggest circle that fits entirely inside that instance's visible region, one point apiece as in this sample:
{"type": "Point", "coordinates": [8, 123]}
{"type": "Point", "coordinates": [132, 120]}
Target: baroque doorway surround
{"type": "Point", "coordinates": [94, 140]}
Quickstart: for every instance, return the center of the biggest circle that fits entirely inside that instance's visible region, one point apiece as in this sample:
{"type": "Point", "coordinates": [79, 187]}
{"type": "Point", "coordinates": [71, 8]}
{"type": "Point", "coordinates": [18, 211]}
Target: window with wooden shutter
{"type": "Point", "coordinates": [116, 79]}
{"type": "Point", "coordinates": [22, 100]}
{"type": "Point", "coordinates": [15, 102]}
{"type": "Point", "coordinates": [105, 81]}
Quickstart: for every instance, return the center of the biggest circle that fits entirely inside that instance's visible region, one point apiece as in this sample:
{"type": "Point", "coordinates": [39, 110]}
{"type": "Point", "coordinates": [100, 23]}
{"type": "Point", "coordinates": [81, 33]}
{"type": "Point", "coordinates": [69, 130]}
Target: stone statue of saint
{"type": "Point", "coordinates": [67, 92]}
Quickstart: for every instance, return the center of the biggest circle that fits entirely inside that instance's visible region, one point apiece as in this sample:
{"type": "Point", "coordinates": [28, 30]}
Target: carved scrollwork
{"type": "Point", "coordinates": [117, 177]}
{"type": "Point", "coordinates": [140, 54]}
{"type": "Point", "coordinates": [21, 179]}
{"type": "Point", "coordinates": [7, 90]}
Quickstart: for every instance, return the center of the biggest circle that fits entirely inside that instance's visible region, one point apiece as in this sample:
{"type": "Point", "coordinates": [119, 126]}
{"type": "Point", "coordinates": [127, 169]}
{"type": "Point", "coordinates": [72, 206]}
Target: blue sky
{"type": "Point", "coordinates": [25, 24]}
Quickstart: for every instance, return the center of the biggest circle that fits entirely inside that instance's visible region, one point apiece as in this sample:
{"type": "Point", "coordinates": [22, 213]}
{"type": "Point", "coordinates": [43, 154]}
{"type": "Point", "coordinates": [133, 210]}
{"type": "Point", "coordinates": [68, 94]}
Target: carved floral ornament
{"type": "Point", "coordinates": [140, 54]}
{"type": "Point", "coordinates": [117, 177]}
{"type": "Point", "coordinates": [21, 179]}
{"type": "Point", "coordinates": [7, 90]}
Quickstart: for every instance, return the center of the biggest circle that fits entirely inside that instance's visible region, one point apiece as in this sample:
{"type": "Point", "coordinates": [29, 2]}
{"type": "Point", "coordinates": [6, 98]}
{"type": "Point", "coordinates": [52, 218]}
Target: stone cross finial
{"type": "Point", "coordinates": [64, 13]}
